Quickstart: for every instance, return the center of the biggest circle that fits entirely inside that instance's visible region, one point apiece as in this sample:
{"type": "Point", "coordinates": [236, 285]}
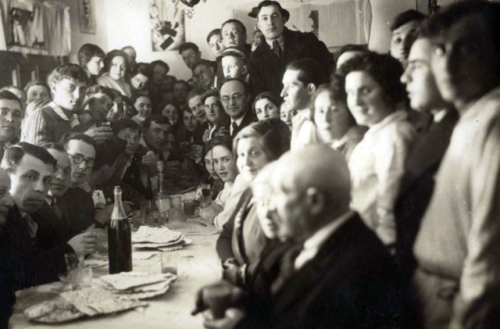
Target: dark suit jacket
{"type": "Point", "coordinates": [22, 264]}
{"type": "Point", "coordinates": [248, 119]}
{"type": "Point", "coordinates": [270, 69]}
{"type": "Point", "coordinates": [53, 232]}
{"type": "Point", "coordinates": [417, 186]}
{"type": "Point", "coordinates": [241, 237]}
{"type": "Point", "coordinates": [351, 283]}
{"type": "Point", "coordinates": [79, 206]}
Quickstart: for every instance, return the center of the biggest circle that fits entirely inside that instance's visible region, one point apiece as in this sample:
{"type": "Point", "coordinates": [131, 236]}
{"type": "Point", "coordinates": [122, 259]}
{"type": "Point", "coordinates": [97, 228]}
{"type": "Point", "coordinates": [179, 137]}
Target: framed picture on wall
{"type": "Point", "coordinates": [167, 19]}
{"type": "Point", "coordinates": [86, 15]}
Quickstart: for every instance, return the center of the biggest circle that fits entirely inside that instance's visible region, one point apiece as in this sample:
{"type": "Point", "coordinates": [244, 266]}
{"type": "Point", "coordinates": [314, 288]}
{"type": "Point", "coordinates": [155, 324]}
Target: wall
{"type": "Point", "coordinates": [126, 22]}
{"type": "Point", "coordinates": [78, 38]}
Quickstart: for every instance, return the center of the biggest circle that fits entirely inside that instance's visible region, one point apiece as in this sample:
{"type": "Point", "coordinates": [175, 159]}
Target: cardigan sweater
{"type": "Point", "coordinates": [44, 126]}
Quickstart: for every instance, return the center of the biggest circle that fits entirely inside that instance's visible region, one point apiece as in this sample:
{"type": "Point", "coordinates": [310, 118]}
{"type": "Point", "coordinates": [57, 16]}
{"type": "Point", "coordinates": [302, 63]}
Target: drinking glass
{"type": "Point", "coordinates": [169, 263]}
{"type": "Point", "coordinates": [137, 218]}
{"type": "Point", "coordinates": [77, 274]}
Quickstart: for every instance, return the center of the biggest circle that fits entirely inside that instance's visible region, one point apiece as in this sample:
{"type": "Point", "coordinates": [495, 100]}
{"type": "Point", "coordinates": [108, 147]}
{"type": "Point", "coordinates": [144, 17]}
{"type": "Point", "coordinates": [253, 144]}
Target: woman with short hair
{"type": "Point", "coordinates": [115, 68]}
{"type": "Point", "coordinates": [375, 96]}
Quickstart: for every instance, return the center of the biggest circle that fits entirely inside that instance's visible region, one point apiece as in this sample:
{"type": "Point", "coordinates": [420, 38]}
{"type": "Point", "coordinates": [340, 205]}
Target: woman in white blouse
{"type": "Point", "coordinates": [376, 97]}
{"type": "Point", "coordinates": [218, 153]}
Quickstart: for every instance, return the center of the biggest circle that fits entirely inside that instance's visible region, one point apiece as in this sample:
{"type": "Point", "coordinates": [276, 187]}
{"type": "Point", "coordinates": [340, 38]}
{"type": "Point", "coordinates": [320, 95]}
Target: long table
{"type": "Point", "coordinates": [198, 265]}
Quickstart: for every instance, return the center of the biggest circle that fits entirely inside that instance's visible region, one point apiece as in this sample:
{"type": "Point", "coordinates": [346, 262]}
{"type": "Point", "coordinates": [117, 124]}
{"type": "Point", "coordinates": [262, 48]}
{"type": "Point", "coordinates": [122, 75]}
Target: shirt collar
{"type": "Point", "coordinates": [59, 111]}
{"type": "Point", "coordinates": [281, 42]}
{"type": "Point", "coordinates": [238, 121]}
{"type": "Point", "coordinates": [319, 238]}
{"type": "Point", "coordinates": [393, 117]}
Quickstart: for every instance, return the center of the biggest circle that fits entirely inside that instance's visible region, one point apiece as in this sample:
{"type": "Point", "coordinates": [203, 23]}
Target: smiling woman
{"type": "Point", "coordinates": [115, 66]}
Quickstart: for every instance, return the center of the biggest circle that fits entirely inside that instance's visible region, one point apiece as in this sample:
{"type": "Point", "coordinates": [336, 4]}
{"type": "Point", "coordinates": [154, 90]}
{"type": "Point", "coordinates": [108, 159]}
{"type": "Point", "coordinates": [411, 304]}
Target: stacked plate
{"type": "Point", "coordinates": [157, 238]}
{"type": "Point", "coordinates": [136, 285]}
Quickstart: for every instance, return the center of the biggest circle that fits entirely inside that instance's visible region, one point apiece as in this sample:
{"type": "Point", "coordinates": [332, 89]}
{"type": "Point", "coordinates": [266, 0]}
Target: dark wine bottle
{"type": "Point", "coordinates": [119, 238]}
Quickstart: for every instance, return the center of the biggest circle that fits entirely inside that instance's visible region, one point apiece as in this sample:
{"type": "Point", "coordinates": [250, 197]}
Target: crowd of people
{"type": "Point", "coordinates": [359, 192]}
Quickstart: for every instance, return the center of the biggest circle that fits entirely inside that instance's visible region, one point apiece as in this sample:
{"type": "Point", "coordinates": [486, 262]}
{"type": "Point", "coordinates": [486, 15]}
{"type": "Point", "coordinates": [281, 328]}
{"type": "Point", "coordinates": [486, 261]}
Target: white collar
{"type": "Point", "coordinates": [281, 41]}
{"type": "Point", "coordinates": [238, 121]}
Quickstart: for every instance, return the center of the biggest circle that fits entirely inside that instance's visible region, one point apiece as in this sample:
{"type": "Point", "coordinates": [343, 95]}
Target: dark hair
{"type": "Point", "coordinates": [445, 19]}
{"type": "Point", "coordinates": [184, 82]}
{"type": "Point", "coordinates": [14, 154]}
{"type": "Point", "coordinates": [33, 83]}
{"type": "Point", "coordinates": [208, 66]}
{"type": "Point", "coordinates": [5, 94]}
{"type": "Point", "coordinates": [188, 45]}
{"type": "Point", "coordinates": [267, 95]}
{"type": "Point", "coordinates": [177, 108]}
{"type": "Point", "coordinates": [350, 47]}
{"type": "Point", "coordinates": [384, 69]}
{"type": "Point", "coordinates": [158, 119]}
{"type": "Point", "coordinates": [142, 68]}
{"type": "Point", "coordinates": [209, 93]}
{"type": "Point", "coordinates": [136, 96]}
{"type": "Point", "coordinates": [226, 141]}
{"type": "Point", "coordinates": [126, 123]}
{"type": "Point", "coordinates": [212, 33]}
{"type": "Point", "coordinates": [67, 137]}
{"type": "Point", "coordinates": [108, 152]}
{"type": "Point", "coordinates": [87, 51]}
{"type": "Point", "coordinates": [274, 133]}
{"type": "Point", "coordinates": [244, 83]}
{"type": "Point", "coordinates": [237, 22]}
{"type": "Point", "coordinates": [309, 71]}
{"type": "Point", "coordinates": [68, 71]}
{"type": "Point", "coordinates": [54, 146]}
{"type": "Point", "coordinates": [407, 17]}
{"type": "Point", "coordinates": [128, 47]}
{"type": "Point", "coordinates": [96, 89]}
{"type": "Point", "coordinates": [161, 63]}
{"type": "Point", "coordinates": [256, 10]}
{"type": "Point", "coordinates": [110, 56]}
{"type": "Point", "coordinates": [195, 92]}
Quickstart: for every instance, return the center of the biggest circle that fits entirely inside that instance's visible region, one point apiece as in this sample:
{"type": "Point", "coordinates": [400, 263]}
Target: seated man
{"type": "Point", "coordinates": [339, 275]}
{"type": "Point", "coordinates": [195, 104]}
{"type": "Point", "coordinates": [191, 55]}
{"type": "Point", "coordinates": [46, 125]}
{"type": "Point", "coordinates": [218, 120]}
{"type": "Point", "coordinates": [53, 223]}
{"type": "Point", "coordinates": [181, 90]}
{"type": "Point", "coordinates": [235, 97]}
{"type": "Point", "coordinates": [10, 119]}
{"type": "Point", "coordinates": [98, 103]}
{"type": "Point", "coordinates": [67, 84]}
{"type": "Point", "coordinates": [22, 264]}
{"type": "Point", "coordinates": [77, 202]}
{"type": "Point", "coordinates": [131, 171]}
{"type": "Point", "coordinates": [204, 75]}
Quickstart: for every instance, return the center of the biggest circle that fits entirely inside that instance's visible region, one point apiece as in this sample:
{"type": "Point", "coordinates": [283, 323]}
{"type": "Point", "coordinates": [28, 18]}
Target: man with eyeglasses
{"type": "Point", "coordinates": [235, 99]}
{"type": "Point", "coordinates": [76, 201]}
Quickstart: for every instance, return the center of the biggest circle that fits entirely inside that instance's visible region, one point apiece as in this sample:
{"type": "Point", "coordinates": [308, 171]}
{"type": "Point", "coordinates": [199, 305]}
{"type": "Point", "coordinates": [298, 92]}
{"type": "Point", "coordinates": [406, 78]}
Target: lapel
{"type": "Point", "coordinates": [237, 239]}
{"type": "Point", "coordinates": [265, 59]}
{"type": "Point", "coordinates": [305, 283]}
{"type": "Point", "coordinates": [431, 147]}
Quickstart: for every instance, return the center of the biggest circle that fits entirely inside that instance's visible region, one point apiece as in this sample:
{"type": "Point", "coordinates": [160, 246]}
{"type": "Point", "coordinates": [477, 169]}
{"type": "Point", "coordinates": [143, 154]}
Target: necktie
{"type": "Point", "coordinates": [57, 210]}
{"type": "Point", "coordinates": [287, 268]}
{"type": "Point", "coordinates": [277, 48]}
{"type": "Point", "coordinates": [234, 127]}
{"type": "Point", "coordinates": [32, 226]}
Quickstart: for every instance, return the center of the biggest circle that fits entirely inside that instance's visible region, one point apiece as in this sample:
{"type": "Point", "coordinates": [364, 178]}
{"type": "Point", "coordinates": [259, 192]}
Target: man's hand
{"type": "Point", "coordinates": [104, 215]}
{"type": "Point", "coordinates": [197, 151]}
{"type": "Point", "coordinates": [218, 297]}
{"type": "Point", "coordinates": [100, 134]}
{"type": "Point", "coordinates": [231, 319]}
{"type": "Point", "coordinates": [85, 243]}
{"type": "Point", "coordinates": [222, 132]}
{"type": "Point", "coordinates": [150, 160]}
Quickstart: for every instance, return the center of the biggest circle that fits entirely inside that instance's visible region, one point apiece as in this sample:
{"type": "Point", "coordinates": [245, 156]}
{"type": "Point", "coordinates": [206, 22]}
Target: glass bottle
{"type": "Point", "coordinates": [119, 238]}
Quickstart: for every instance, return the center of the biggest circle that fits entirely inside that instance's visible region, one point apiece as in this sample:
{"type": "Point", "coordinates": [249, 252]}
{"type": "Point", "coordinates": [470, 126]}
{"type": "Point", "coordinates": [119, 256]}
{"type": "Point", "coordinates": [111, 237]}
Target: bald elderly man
{"type": "Point", "coordinates": [339, 275]}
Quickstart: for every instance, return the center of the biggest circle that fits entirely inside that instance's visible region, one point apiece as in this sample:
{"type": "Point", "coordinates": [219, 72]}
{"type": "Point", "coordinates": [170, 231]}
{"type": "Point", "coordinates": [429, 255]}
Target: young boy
{"type": "Point", "coordinates": [46, 125]}
{"type": "Point", "coordinates": [235, 65]}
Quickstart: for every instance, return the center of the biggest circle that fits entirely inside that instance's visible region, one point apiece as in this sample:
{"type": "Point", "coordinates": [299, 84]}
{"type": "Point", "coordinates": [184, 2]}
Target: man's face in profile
{"type": "Point", "coordinates": [465, 61]}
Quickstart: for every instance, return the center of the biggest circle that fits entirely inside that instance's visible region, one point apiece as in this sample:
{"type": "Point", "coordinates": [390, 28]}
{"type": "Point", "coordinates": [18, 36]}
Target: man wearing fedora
{"type": "Point", "coordinates": [282, 46]}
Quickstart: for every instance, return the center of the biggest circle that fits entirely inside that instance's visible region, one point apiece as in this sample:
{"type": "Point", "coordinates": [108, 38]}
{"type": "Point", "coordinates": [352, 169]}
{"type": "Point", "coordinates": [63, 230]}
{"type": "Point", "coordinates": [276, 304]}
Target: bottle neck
{"type": "Point", "coordinates": [118, 210]}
